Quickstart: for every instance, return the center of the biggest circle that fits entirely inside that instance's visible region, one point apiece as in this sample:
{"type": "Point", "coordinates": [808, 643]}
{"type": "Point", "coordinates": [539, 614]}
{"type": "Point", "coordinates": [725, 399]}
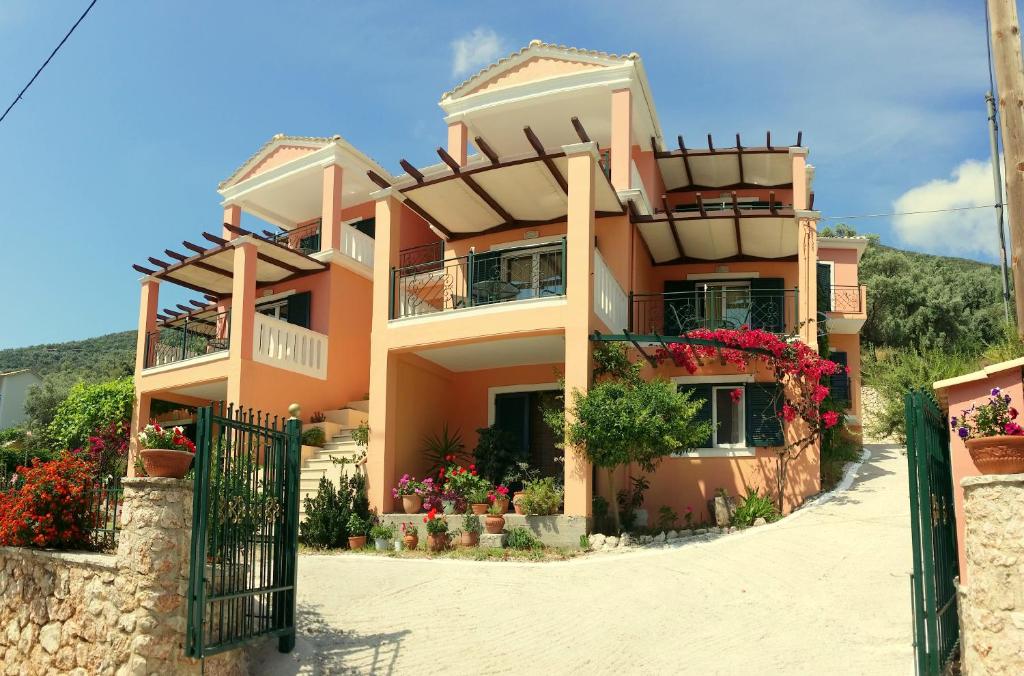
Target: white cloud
{"type": "Point", "coordinates": [474, 50]}
{"type": "Point", "coordinates": [960, 233]}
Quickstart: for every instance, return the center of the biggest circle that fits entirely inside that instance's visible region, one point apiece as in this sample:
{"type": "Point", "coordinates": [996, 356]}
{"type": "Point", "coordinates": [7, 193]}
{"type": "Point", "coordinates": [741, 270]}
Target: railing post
{"type": "Point", "coordinates": [293, 435]}
{"type": "Point", "coordinates": [470, 264]}
{"type": "Point", "coordinates": [184, 339]}
{"type": "Point", "coordinates": [564, 251]}
{"type": "Point", "coordinates": [796, 308]}
{"type": "Point", "coordinates": [629, 312]}
{"type": "Point", "coordinates": [391, 294]}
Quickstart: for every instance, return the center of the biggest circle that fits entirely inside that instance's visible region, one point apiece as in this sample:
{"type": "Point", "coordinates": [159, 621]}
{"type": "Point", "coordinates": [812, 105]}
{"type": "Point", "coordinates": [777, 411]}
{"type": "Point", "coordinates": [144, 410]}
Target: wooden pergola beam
{"type": "Point", "coordinates": [157, 261]}
{"type": "Point", "coordinates": [495, 206]}
{"type": "Point", "coordinates": [486, 149]}
{"type": "Point", "coordinates": [194, 247]}
{"type": "Point", "coordinates": [700, 206]}
{"type": "Point", "coordinates": [449, 160]}
{"type": "Point", "coordinates": [771, 203]}
{"type": "Point", "coordinates": [768, 140]}
{"type": "Point", "coordinates": [175, 255]}
{"type": "Point", "coordinates": [686, 160]}
{"type": "Point", "coordinates": [215, 239]}
{"type": "Point", "coordinates": [538, 148]}
{"type": "Point", "coordinates": [411, 170]}
{"type": "Point", "coordinates": [377, 179]}
{"type": "Point", "coordinates": [145, 271]}
{"type": "Point", "coordinates": [736, 223]}
{"type": "Point", "coordinates": [580, 131]}
{"type": "Point", "coordinates": [739, 157]}
{"type": "Point", "coordinates": [799, 138]}
{"type": "Point", "coordinates": [711, 145]}
{"type": "Point", "coordinates": [672, 226]}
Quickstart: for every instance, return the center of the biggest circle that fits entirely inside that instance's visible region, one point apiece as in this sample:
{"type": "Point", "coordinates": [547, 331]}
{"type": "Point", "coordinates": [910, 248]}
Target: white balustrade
{"type": "Point", "coordinates": [356, 245]}
{"type": "Point", "coordinates": [289, 347]}
{"type": "Point", "coordinates": [610, 302]}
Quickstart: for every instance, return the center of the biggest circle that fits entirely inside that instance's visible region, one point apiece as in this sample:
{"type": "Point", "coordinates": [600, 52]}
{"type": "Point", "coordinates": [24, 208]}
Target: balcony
{"type": "Point", "coordinates": [478, 279]}
{"type": "Point", "coordinates": [714, 307]}
{"type": "Point", "coordinates": [304, 239]}
{"type": "Point", "coordinates": [844, 307]}
{"type": "Point", "coordinates": [187, 338]}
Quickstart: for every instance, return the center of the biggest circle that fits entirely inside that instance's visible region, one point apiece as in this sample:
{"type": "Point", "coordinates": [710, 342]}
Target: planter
{"type": "Point", "coordinates": [381, 544]}
{"type": "Point", "coordinates": [502, 504]}
{"type": "Point", "coordinates": [448, 506]}
{"type": "Point", "coordinates": [516, 497]}
{"type": "Point", "coordinates": [411, 541]}
{"type": "Point", "coordinates": [998, 455]}
{"type": "Point", "coordinates": [357, 542]}
{"type": "Point", "coordinates": [494, 524]}
{"type": "Point", "coordinates": [437, 543]}
{"type": "Point", "coordinates": [479, 508]}
{"type": "Point", "coordinates": [398, 545]}
{"type": "Point", "coordinates": [412, 503]}
{"type": "Point", "coordinates": [468, 539]}
{"type": "Point", "coordinates": [166, 462]}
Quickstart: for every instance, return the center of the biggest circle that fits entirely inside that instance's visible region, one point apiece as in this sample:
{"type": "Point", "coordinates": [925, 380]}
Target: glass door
{"type": "Point", "coordinates": [726, 304]}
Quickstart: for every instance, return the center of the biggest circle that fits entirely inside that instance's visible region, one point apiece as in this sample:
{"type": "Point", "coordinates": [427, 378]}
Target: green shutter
{"type": "Point", "coordinates": [367, 226]}
{"type": "Point", "coordinates": [767, 304]}
{"type": "Point", "coordinates": [704, 414]}
{"type": "Point", "coordinates": [839, 384]}
{"type": "Point", "coordinates": [298, 309]}
{"type": "Point", "coordinates": [824, 287]}
{"type": "Point", "coordinates": [682, 308]}
{"type": "Point", "coordinates": [512, 414]}
{"type": "Point", "coordinates": [763, 403]}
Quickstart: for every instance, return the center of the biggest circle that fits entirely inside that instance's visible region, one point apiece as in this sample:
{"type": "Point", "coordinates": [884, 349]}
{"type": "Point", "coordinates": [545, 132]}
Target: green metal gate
{"type": "Point", "coordinates": [933, 528]}
{"type": "Point", "coordinates": [245, 523]}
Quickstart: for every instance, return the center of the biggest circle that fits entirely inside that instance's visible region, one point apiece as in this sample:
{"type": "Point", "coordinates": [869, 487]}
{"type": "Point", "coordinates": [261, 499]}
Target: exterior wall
{"type": "Point", "coordinates": [13, 393]}
{"type": "Point", "coordinates": [461, 247]}
{"type": "Point", "coordinates": [650, 175]}
{"type": "Point", "coordinates": [284, 153]}
{"type": "Point", "coordinates": [424, 403]}
{"type": "Point", "coordinates": [536, 68]}
{"type": "Point", "coordinates": [845, 265]}
{"type": "Point", "coordinates": [850, 344]}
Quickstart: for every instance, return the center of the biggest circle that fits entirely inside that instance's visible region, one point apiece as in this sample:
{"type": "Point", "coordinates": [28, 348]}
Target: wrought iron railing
{"type": "Point", "coordinates": [186, 338]}
{"type": "Point", "coordinates": [305, 239]}
{"type": "Point", "coordinates": [420, 258]}
{"type": "Point", "coordinates": [846, 299]}
{"type": "Point", "coordinates": [533, 271]}
{"type": "Point", "coordinates": [105, 497]}
{"type": "Point", "coordinates": [718, 205]}
{"type": "Point", "coordinates": [675, 313]}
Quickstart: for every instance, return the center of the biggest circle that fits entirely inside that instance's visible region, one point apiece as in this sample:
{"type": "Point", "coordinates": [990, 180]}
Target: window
{"type": "Point", "coordinates": [292, 308]}
{"type": "Point", "coordinates": [276, 309]}
{"type": "Point", "coordinates": [728, 416]}
{"type": "Point", "coordinates": [535, 273]}
{"type": "Point", "coordinates": [726, 304]}
{"type": "Point", "coordinates": [738, 426]}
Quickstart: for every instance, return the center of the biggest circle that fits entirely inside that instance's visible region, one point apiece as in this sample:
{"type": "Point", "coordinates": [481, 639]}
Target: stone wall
{"type": "Point", "coordinates": [120, 614]}
{"type": "Point", "coordinates": [992, 612]}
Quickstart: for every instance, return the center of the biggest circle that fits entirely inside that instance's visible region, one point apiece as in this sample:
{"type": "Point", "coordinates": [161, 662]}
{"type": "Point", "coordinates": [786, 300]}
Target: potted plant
{"type": "Point", "coordinates": [992, 436]}
{"type": "Point", "coordinates": [410, 535]}
{"type": "Point", "coordinates": [495, 522]}
{"type": "Point", "coordinates": [437, 531]}
{"type": "Point", "coordinates": [521, 474]}
{"type": "Point", "coordinates": [165, 452]}
{"type": "Point", "coordinates": [540, 497]}
{"type": "Point", "coordinates": [469, 535]}
{"type": "Point", "coordinates": [382, 534]}
{"type": "Point", "coordinates": [411, 491]}
{"type": "Point", "coordinates": [357, 528]}
{"type": "Point", "coordinates": [466, 482]}
{"type": "Point", "coordinates": [499, 496]}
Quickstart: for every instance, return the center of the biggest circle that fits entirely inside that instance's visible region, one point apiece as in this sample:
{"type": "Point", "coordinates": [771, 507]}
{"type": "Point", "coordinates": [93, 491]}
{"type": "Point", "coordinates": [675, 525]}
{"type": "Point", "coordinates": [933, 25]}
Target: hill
{"type": "Point", "coordinates": [92, 359]}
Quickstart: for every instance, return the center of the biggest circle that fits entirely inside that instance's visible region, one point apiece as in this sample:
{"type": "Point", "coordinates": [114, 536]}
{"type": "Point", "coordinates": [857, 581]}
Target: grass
{"type": "Point", "coordinates": [541, 554]}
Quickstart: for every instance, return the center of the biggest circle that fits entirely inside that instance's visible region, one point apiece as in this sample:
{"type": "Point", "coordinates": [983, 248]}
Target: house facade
{"type": "Point", "coordinates": [14, 387]}
{"type": "Point", "coordinates": [465, 293]}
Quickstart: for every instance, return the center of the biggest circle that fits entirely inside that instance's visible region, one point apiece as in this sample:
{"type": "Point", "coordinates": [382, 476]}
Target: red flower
{"type": "Point", "coordinates": [736, 395]}
{"type": "Point", "coordinates": [830, 418]}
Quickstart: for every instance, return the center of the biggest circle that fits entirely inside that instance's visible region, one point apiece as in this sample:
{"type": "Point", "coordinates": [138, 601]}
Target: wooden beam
{"type": "Point", "coordinates": [739, 157]}
{"type": "Point", "coordinates": [157, 261]}
{"type": "Point", "coordinates": [686, 160]}
{"type": "Point", "coordinates": [186, 308]}
{"type": "Point", "coordinates": [281, 264]}
{"type": "Point", "coordinates": [700, 206]}
{"type": "Point", "coordinates": [411, 170]}
{"type": "Point", "coordinates": [241, 232]}
{"type": "Point", "coordinates": [810, 201]}
{"type": "Point", "coordinates": [145, 271]}
{"type": "Point", "coordinates": [426, 216]}
{"type": "Point", "coordinates": [768, 140]}
{"type": "Point", "coordinates": [799, 138]}
{"type": "Point", "coordinates": [486, 149]}
{"type": "Point", "coordinates": [161, 317]}
{"type": "Point", "coordinates": [175, 255]}
{"type": "Point", "coordinates": [173, 313]}
{"type": "Point", "coordinates": [194, 247]}
{"type": "Point", "coordinates": [736, 223]}
{"type": "Point", "coordinates": [711, 145]}
{"type": "Point", "coordinates": [580, 131]}
{"type": "Point", "coordinates": [729, 186]}
{"type": "Point", "coordinates": [194, 287]}
{"type": "Point", "coordinates": [538, 148]}
{"type": "Point", "coordinates": [199, 304]}
{"type": "Point", "coordinates": [212, 299]}
{"type": "Point", "coordinates": [376, 178]}
{"type": "Point", "coordinates": [672, 226]}
{"type": "Point", "coordinates": [449, 160]}
{"type": "Point", "coordinates": [771, 203]}
{"type": "Point", "coordinates": [654, 146]}
{"type": "Point", "coordinates": [486, 197]}
{"type": "Point", "coordinates": [211, 268]}
{"type": "Point", "coordinates": [650, 360]}
{"type": "Point", "coordinates": [215, 239]}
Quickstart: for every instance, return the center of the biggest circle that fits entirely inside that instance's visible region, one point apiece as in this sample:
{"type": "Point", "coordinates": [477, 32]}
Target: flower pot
{"type": "Point", "coordinates": [397, 545]}
{"type": "Point", "coordinates": [437, 543]}
{"type": "Point", "coordinates": [516, 500]}
{"type": "Point", "coordinates": [494, 524]}
{"type": "Point", "coordinates": [381, 544]}
{"type": "Point", "coordinates": [448, 506]}
{"type": "Point", "coordinates": [502, 504]}
{"type": "Point", "coordinates": [468, 539]}
{"type": "Point", "coordinates": [411, 541]}
{"type": "Point", "coordinates": [166, 462]}
{"type": "Point", "coordinates": [356, 542]}
{"type": "Point", "coordinates": [479, 508]}
{"type": "Point", "coordinates": [1002, 454]}
{"type": "Point", "coordinates": [412, 503]}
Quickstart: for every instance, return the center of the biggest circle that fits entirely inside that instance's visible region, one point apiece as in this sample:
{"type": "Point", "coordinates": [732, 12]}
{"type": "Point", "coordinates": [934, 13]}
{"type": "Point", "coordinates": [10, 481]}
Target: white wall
{"type": "Point", "coordinates": [13, 392]}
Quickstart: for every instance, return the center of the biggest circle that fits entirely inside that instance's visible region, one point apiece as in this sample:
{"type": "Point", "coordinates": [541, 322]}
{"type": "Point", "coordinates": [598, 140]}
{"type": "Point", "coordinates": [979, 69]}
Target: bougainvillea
{"type": "Point", "coordinates": [107, 450]}
{"type": "Point", "coordinates": [49, 505]}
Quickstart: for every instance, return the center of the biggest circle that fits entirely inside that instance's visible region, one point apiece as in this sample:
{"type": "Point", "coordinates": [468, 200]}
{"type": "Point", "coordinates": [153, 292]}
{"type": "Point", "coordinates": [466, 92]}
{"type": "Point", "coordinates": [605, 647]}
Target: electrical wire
{"type": "Point", "coordinates": [45, 63]}
{"type": "Point", "coordinates": [908, 213]}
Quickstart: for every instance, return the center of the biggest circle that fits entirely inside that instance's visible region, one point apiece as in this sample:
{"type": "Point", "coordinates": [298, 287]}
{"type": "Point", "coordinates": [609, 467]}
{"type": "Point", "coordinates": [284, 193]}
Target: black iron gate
{"type": "Point", "coordinates": [245, 523]}
{"type": "Point", "coordinates": [933, 528]}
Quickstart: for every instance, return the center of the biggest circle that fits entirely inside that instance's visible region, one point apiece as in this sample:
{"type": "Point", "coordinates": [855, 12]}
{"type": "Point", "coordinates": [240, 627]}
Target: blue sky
{"type": "Point", "coordinates": [116, 151]}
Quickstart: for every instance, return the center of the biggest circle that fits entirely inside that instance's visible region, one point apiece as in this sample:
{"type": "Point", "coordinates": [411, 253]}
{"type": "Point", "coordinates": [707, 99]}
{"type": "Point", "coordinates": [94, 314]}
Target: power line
{"type": "Point", "coordinates": [907, 213]}
{"type": "Point", "coordinates": [52, 54]}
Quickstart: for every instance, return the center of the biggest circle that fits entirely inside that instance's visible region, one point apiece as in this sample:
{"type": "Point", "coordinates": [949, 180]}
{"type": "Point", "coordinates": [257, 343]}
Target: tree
{"type": "Point", "coordinates": [89, 408]}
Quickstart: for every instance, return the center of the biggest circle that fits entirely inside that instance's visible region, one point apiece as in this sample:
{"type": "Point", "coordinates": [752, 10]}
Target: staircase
{"type": "Point", "coordinates": [319, 462]}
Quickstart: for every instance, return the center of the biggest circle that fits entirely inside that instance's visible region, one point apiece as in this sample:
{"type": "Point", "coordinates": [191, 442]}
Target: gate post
{"type": "Point", "coordinates": [293, 449]}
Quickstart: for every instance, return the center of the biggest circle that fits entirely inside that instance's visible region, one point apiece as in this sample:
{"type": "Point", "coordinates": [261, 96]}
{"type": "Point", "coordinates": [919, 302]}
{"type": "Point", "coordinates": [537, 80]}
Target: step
{"type": "Point", "coordinates": [361, 405]}
{"type": "Point", "coordinates": [348, 418]}
{"type": "Point", "coordinates": [330, 429]}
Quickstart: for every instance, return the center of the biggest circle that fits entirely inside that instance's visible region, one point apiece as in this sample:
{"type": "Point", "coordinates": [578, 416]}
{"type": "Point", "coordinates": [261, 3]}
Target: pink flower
{"type": "Point", "coordinates": [736, 395]}
{"type": "Point", "coordinates": [1013, 429]}
{"type": "Point", "coordinates": [820, 392]}
{"type": "Point", "coordinates": [830, 418]}
{"type": "Point", "coordinates": [788, 413]}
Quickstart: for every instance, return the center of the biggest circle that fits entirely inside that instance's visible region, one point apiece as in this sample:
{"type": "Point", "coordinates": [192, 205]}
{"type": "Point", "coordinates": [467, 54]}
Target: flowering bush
{"type": "Point", "coordinates": [436, 525]}
{"type": "Point", "coordinates": [465, 481]}
{"type": "Point", "coordinates": [409, 528]}
{"type": "Point", "coordinates": [408, 485]}
{"type": "Point", "coordinates": [500, 492]}
{"type": "Point", "coordinates": [155, 436]}
{"type": "Point", "coordinates": [49, 505]}
{"type": "Point", "coordinates": [991, 419]}
{"type": "Point", "coordinates": [107, 450]}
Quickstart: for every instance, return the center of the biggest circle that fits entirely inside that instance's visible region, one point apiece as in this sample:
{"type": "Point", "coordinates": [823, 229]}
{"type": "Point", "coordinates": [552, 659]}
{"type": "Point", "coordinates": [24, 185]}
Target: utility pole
{"type": "Point", "coordinates": [1009, 72]}
{"type": "Point", "coordinates": [997, 191]}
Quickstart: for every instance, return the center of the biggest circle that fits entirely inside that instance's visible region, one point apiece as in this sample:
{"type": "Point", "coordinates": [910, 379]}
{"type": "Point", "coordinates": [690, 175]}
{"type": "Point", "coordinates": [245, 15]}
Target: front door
{"type": "Point", "coordinates": [520, 414]}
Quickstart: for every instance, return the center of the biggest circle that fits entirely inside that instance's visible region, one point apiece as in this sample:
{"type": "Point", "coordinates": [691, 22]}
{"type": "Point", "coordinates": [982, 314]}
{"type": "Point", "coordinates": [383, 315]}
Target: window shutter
{"type": "Point", "coordinates": [298, 309]}
{"type": "Point", "coordinates": [824, 287]}
{"type": "Point", "coordinates": [839, 383]}
{"type": "Point", "coordinates": [683, 310]}
{"type": "Point", "coordinates": [512, 414]}
{"type": "Point", "coordinates": [767, 304]}
{"type": "Point", "coordinates": [704, 414]}
{"type": "Point", "coordinates": [367, 226]}
{"type": "Point", "coordinates": [764, 426]}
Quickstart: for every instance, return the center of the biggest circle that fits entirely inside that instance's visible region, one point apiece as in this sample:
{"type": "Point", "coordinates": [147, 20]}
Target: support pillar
{"type": "Point", "coordinates": [148, 307]}
{"type": "Point", "coordinates": [232, 217]}
{"type": "Point", "coordinates": [622, 138]}
{"type": "Point", "coordinates": [806, 304]}
{"type": "Point", "coordinates": [383, 416]}
{"type": "Point", "coordinates": [330, 218]}
{"type": "Point", "coordinates": [243, 298]}
{"type": "Point", "coordinates": [458, 142]}
{"type": "Point", "coordinates": [579, 267]}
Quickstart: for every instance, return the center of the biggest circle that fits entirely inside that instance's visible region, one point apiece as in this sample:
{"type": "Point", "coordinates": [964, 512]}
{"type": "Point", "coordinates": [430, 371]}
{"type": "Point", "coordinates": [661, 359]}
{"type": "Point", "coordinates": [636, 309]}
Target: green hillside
{"type": "Point", "coordinates": [92, 359]}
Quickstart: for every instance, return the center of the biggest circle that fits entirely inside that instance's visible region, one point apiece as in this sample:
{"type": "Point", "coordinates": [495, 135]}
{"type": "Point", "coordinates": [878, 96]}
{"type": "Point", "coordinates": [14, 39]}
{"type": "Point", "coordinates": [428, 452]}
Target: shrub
{"type": "Point", "coordinates": [361, 435]}
{"type": "Point", "coordinates": [50, 506]}
{"type": "Point", "coordinates": [521, 538]}
{"type": "Point", "coordinates": [471, 523]}
{"type": "Point", "coordinates": [496, 453]}
{"type": "Point", "coordinates": [443, 448]}
{"type": "Point", "coordinates": [314, 436]}
{"type": "Point", "coordinates": [541, 496]}
{"type": "Point", "coordinates": [357, 525]}
{"type": "Point", "coordinates": [755, 506]}
{"type": "Point", "coordinates": [383, 531]}
{"type": "Point", "coordinates": [108, 450]}
{"type": "Point", "coordinates": [329, 511]}
{"type": "Point", "coordinates": [89, 408]}
{"type": "Point", "coordinates": [667, 518]}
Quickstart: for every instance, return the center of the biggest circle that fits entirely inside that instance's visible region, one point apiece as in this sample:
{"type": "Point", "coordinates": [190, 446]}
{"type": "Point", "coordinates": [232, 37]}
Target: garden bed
{"type": "Point", "coordinates": [543, 554]}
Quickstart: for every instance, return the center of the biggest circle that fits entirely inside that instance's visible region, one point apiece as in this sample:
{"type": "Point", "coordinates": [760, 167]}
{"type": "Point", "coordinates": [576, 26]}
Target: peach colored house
{"type": "Point", "coordinates": [462, 292]}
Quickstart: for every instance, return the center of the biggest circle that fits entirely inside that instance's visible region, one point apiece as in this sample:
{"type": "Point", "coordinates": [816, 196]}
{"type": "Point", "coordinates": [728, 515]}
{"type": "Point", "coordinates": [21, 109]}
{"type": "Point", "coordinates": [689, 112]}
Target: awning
{"type": "Point", "coordinates": [686, 169]}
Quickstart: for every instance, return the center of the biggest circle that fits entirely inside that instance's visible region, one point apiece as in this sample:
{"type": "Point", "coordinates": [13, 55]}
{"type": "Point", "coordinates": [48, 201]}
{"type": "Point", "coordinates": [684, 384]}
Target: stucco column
{"type": "Point", "coordinates": [383, 416]}
{"type": "Point", "coordinates": [622, 138]}
{"type": "Point", "coordinates": [330, 217]}
{"type": "Point", "coordinates": [149, 299]}
{"type": "Point", "coordinates": [807, 279]}
{"type": "Point", "coordinates": [243, 298]}
{"type": "Point", "coordinates": [232, 217]}
{"type": "Point", "coordinates": [458, 142]}
{"type": "Point", "coordinates": [579, 269]}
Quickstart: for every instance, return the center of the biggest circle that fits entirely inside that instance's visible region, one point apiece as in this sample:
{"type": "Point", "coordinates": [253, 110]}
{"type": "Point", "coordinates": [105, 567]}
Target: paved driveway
{"type": "Point", "coordinates": [825, 591]}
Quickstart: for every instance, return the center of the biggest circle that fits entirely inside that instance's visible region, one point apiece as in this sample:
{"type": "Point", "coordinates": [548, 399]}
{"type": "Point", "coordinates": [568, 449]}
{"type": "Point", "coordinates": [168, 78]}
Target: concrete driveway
{"type": "Point", "coordinates": [825, 591]}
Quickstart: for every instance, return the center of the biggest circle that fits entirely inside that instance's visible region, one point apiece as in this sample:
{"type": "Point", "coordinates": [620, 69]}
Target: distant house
{"type": "Point", "coordinates": [14, 387]}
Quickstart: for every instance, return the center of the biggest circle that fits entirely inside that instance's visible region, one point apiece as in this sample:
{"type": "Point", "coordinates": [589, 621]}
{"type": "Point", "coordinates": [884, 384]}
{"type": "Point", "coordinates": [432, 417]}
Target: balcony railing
{"type": "Point", "coordinates": [305, 239]}
{"type": "Point", "coordinates": [187, 338]}
{"type": "Point", "coordinates": [420, 258]}
{"type": "Point", "coordinates": [844, 299]}
{"type": "Point", "coordinates": [287, 346]}
{"type": "Point", "coordinates": [675, 313]}
{"type": "Point", "coordinates": [534, 271]}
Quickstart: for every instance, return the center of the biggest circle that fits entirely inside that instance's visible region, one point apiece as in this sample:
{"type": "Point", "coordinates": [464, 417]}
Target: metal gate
{"type": "Point", "coordinates": [933, 527]}
{"type": "Point", "coordinates": [245, 523]}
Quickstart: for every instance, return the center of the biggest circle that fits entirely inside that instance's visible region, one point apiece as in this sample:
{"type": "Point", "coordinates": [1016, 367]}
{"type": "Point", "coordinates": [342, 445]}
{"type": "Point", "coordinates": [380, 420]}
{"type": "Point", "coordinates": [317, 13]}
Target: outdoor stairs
{"type": "Point", "coordinates": [320, 462]}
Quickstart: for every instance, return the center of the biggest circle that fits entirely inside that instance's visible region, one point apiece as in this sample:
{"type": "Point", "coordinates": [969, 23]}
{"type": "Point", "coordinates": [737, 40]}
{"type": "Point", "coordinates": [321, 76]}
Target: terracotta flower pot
{"type": "Point", "coordinates": [502, 504]}
{"type": "Point", "coordinates": [166, 462]}
{"type": "Point", "coordinates": [479, 508]}
{"type": "Point", "coordinates": [411, 541]}
{"type": "Point", "coordinates": [468, 539]}
{"type": "Point", "coordinates": [412, 503]}
{"type": "Point", "coordinates": [494, 524]}
{"type": "Point", "coordinates": [1002, 454]}
{"type": "Point", "coordinates": [516, 502]}
{"type": "Point", "coordinates": [357, 542]}
{"type": "Point", "coordinates": [437, 543]}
